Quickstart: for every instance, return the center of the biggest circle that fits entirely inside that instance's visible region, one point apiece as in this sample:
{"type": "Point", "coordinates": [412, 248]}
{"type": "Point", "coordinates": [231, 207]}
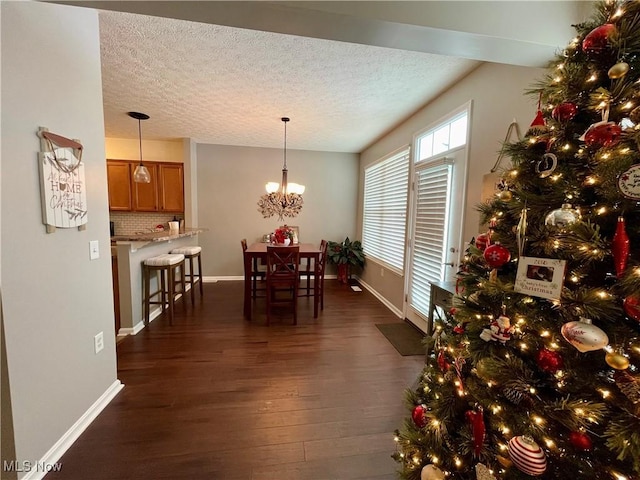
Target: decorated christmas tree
{"type": "Point", "coordinates": [534, 371]}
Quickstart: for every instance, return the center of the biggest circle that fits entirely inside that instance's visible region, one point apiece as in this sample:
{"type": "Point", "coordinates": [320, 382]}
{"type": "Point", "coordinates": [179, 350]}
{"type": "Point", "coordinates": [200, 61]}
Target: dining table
{"type": "Point", "coordinates": [258, 251]}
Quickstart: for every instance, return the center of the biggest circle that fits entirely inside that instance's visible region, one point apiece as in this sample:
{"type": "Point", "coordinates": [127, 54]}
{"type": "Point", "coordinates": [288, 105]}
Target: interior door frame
{"type": "Point", "coordinates": [463, 177]}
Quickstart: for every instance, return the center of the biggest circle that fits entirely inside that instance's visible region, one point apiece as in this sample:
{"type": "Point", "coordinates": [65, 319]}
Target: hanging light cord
{"type": "Point", "coordinates": [285, 142]}
{"type": "Point", "coordinates": [140, 138]}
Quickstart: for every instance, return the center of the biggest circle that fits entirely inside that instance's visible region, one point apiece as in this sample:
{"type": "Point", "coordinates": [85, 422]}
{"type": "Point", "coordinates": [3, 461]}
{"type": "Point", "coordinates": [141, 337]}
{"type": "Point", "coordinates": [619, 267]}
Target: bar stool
{"type": "Point", "coordinates": [191, 253]}
{"type": "Point", "coordinates": [167, 264]}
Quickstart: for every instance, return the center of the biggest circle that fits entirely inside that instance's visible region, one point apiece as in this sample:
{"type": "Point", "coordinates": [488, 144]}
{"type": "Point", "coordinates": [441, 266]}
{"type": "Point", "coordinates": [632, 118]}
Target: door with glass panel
{"type": "Point", "coordinates": [437, 209]}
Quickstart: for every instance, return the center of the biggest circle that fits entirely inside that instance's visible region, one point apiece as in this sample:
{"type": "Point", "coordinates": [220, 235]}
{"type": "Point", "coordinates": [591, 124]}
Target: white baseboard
{"type": "Point", "coordinates": [215, 279]}
{"type": "Point", "coordinates": [386, 302]}
{"type": "Point", "coordinates": [153, 314]}
{"type": "Point", "coordinates": [62, 445]}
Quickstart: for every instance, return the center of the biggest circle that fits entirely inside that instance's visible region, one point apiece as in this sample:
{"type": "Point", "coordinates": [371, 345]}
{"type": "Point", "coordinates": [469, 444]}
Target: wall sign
{"type": "Point", "coordinates": [62, 183]}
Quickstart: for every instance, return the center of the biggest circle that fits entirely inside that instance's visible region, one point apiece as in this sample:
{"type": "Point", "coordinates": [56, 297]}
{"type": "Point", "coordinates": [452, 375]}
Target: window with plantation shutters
{"type": "Point", "coordinates": [433, 191]}
{"type": "Point", "coordinates": [385, 210]}
{"type": "Point", "coordinates": [438, 195]}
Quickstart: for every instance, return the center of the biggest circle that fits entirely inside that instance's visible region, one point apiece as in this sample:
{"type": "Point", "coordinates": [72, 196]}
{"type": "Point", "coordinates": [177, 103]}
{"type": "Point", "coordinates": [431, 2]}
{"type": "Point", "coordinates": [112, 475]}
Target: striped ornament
{"type": "Point", "coordinates": [527, 455]}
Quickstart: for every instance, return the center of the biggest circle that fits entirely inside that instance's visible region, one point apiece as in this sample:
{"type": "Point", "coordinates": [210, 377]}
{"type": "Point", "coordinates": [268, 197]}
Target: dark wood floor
{"type": "Point", "coordinates": [216, 397]}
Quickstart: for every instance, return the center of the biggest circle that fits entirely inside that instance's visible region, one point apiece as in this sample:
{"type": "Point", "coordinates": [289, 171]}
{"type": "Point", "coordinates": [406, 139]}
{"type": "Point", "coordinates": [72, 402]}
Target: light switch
{"type": "Point", "coordinates": [94, 249]}
{"type": "Point", "coordinates": [98, 342]}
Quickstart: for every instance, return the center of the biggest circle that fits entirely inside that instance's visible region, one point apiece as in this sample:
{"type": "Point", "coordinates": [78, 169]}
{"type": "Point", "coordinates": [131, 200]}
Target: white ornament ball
{"type": "Point", "coordinates": [527, 455]}
{"type": "Point", "coordinates": [584, 336]}
{"type": "Point", "coordinates": [431, 472]}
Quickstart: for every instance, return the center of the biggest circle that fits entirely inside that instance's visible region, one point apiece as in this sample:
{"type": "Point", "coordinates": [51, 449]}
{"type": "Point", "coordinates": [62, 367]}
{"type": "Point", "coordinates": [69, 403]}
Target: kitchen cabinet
{"type": "Point", "coordinates": [165, 193]}
{"type": "Point", "coordinates": [119, 182]}
{"type": "Point", "coordinates": [145, 195]}
{"type": "Point", "coordinates": [171, 183]}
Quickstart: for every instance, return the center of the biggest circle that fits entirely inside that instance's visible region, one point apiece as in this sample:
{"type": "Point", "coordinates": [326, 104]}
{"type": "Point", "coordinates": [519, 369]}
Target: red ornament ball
{"type": "Point", "coordinates": [580, 441]}
{"type": "Point", "coordinates": [549, 361]}
{"type": "Point", "coordinates": [419, 416]}
{"type": "Point", "coordinates": [597, 39]}
{"type": "Point", "coordinates": [564, 112]}
{"type": "Point", "coordinates": [482, 241]}
{"type": "Point", "coordinates": [631, 305]}
{"type": "Point", "coordinates": [603, 134]}
{"type": "Point", "coordinates": [496, 255]}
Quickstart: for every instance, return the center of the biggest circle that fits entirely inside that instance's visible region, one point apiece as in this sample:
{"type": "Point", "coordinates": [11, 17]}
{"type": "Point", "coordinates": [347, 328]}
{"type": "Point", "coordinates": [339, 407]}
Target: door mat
{"type": "Point", "coordinates": [406, 339]}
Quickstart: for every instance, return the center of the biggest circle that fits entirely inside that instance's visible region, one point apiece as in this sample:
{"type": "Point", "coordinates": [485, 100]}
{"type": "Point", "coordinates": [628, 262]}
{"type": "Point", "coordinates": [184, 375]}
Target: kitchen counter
{"type": "Point", "coordinates": [163, 236]}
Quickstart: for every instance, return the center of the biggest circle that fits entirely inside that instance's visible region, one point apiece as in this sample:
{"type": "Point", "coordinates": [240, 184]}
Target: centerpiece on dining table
{"type": "Point", "coordinates": [283, 235]}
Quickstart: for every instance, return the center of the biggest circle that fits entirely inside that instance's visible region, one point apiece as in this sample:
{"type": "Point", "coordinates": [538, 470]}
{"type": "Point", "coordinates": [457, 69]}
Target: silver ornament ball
{"type": "Point", "coordinates": [562, 217]}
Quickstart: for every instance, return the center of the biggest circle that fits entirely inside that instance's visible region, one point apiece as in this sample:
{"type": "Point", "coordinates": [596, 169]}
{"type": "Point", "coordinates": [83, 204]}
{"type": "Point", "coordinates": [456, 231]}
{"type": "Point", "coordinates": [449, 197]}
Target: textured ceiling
{"type": "Point", "coordinates": [231, 86]}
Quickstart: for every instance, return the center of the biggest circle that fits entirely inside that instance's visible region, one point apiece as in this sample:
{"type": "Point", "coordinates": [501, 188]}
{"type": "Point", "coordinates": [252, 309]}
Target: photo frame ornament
{"type": "Point", "coordinates": [540, 277]}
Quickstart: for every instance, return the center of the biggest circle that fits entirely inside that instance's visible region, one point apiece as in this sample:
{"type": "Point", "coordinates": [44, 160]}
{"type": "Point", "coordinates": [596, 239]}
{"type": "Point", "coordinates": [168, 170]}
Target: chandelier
{"type": "Point", "coordinates": [284, 200]}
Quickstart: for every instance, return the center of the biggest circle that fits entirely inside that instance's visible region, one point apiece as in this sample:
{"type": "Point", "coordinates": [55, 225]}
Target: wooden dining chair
{"type": "Point", "coordinates": [322, 263]}
{"type": "Point", "coordinates": [305, 273]}
{"type": "Point", "coordinates": [256, 272]}
{"type": "Point", "coordinates": [282, 279]}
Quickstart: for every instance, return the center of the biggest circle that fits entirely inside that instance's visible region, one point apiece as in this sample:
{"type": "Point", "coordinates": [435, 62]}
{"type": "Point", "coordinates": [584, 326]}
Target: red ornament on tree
{"type": "Point", "coordinates": [631, 305]}
{"type": "Point", "coordinates": [496, 255]}
{"type": "Point", "coordinates": [564, 111]}
{"type": "Point", "coordinates": [603, 134]}
{"type": "Point", "coordinates": [483, 240]}
{"type": "Point", "coordinates": [442, 361]}
{"type": "Point", "coordinates": [549, 361]}
{"type": "Point", "coordinates": [580, 441]}
{"type": "Point", "coordinates": [620, 247]}
{"type": "Point", "coordinates": [476, 419]}
{"type": "Point", "coordinates": [419, 416]}
{"type": "Point", "coordinates": [538, 125]}
{"type": "Point", "coordinates": [527, 455]}
{"type": "Point", "coordinates": [598, 39]}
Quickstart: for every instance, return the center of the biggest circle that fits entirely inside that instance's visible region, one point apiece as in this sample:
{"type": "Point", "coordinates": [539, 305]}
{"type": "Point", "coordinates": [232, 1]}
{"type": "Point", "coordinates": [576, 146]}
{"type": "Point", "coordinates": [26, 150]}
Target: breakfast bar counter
{"type": "Point", "coordinates": [152, 237]}
{"type": "Point", "coordinates": [131, 251]}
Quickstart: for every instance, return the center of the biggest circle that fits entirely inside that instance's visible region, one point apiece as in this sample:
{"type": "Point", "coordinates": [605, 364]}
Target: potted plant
{"type": "Point", "coordinates": [345, 255]}
{"type": "Point", "coordinates": [283, 235]}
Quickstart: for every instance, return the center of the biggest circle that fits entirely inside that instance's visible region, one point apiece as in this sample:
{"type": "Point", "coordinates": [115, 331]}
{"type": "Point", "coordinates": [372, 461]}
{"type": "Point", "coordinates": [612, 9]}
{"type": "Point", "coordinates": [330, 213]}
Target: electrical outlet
{"type": "Point", "coordinates": [94, 249]}
{"type": "Point", "coordinates": [382, 272]}
{"type": "Point", "coordinates": [98, 342]}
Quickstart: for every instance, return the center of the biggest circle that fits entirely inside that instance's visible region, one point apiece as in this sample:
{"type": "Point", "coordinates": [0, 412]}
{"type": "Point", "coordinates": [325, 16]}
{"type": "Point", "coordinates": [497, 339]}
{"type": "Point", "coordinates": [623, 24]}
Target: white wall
{"type": "Point", "coordinates": [231, 180]}
{"type": "Point", "coordinates": [54, 298]}
{"type": "Point", "coordinates": [497, 92]}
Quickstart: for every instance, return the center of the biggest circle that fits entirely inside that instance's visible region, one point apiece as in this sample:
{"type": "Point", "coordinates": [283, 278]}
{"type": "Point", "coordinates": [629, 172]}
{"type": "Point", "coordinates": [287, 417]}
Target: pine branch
{"type": "Point", "coordinates": [623, 437]}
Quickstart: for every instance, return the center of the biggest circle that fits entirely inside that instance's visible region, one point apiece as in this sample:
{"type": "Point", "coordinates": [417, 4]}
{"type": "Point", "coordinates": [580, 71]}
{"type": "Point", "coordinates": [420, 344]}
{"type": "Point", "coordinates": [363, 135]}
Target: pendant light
{"type": "Point", "coordinates": [141, 173]}
{"type": "Point", "coordinates": [284, 200]}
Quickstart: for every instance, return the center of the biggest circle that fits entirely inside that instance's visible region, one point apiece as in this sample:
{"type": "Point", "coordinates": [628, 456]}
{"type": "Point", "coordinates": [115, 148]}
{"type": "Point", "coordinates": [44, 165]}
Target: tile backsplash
{"type": "Point", "coordinates": [127, 223]}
